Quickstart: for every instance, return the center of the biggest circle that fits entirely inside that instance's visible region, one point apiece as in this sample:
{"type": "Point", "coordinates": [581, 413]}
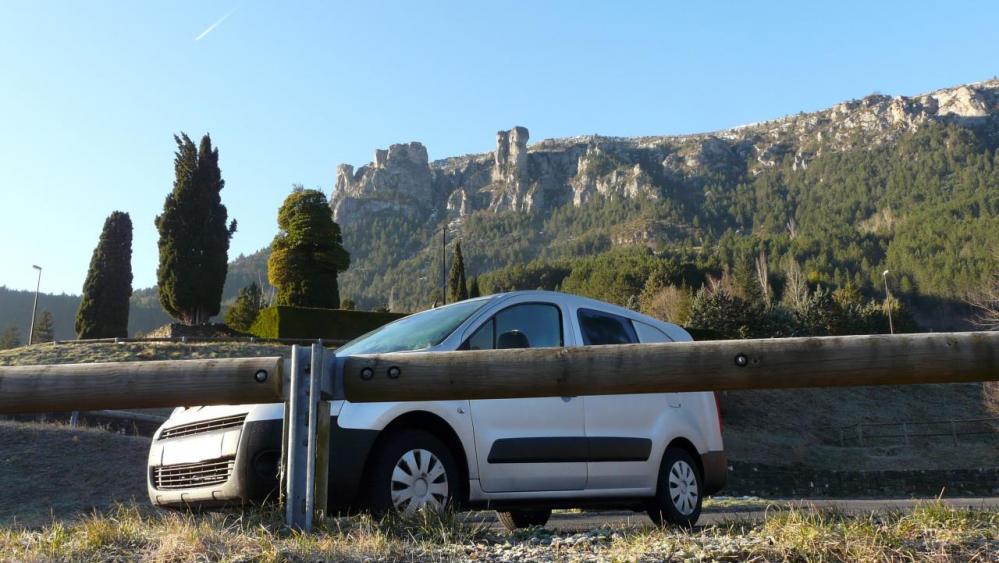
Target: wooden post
{"type": "Point", "coordinates": [675, 367]}
{"type": "Point", "coordinates": [124, 385]}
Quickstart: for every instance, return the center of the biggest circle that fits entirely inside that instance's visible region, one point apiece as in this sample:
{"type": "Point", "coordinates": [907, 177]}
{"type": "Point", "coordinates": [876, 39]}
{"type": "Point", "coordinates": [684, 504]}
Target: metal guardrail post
{"type": "Point", "coordinates": [298, 441]}
{"type": "Point", "coordinates": [315, 374]}
{"type": "Point", "coordinates": [307, 446]}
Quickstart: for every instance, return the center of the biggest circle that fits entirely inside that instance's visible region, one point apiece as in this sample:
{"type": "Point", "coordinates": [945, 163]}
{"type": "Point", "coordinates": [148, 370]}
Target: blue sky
{"type": "Point", "coordinates": [92, 93]}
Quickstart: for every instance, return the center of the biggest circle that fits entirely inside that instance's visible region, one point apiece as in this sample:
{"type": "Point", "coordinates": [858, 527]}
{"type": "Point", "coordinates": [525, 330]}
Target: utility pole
{"type": "Point", "coordinates": [34, 308]}
{"type": "Point", "coordinates": [891, 326]}
{"type": "Point", "coordinates": [444, 264]}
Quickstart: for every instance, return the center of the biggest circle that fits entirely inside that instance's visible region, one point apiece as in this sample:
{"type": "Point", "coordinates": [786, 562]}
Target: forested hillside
{"type": "Point", "coordinates": [925, 207]}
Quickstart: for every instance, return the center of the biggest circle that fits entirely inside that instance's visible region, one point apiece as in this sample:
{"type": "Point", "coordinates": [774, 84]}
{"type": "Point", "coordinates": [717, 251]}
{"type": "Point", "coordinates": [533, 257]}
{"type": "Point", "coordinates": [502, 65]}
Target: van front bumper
{"type": "Point", "coordinates": [237, 466]}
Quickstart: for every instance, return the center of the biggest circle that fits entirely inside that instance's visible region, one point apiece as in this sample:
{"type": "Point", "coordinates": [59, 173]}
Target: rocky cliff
{"type": "Point", "coordinates": [550, 173]}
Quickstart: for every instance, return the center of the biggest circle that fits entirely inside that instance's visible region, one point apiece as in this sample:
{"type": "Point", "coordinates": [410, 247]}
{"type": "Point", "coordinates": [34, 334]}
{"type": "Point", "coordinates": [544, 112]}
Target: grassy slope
{"type": "Point", "coordinates": [50, 471]}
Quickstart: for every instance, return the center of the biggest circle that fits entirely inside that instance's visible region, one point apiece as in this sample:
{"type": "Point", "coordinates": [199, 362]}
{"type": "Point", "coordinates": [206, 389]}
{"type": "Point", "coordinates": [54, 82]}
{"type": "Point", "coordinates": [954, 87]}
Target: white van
{"type": "Point", "coordinates": [522, 457]}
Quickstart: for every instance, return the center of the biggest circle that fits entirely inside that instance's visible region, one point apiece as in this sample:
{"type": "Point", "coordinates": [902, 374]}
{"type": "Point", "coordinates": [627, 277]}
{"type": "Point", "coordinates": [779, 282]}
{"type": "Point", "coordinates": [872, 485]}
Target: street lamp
{"type": "Point", "coordinates": [891, 326]}
{"type": "Point", "coordinates": [34, 308]}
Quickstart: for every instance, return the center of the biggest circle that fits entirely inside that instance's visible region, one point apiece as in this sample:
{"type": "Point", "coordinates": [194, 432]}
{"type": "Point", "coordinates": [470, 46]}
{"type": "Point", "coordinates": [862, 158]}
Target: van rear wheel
{"type": "Point", "coordinates": [680, 491]}
{"type": "Point", "coordinates": [517, 519]}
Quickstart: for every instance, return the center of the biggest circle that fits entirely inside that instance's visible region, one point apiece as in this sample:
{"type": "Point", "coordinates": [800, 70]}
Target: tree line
{"type": "Point", "coordinates": [194, 236]}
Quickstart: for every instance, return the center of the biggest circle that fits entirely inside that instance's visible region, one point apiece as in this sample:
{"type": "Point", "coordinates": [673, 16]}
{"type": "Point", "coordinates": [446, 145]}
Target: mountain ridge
{"type": "Point", "coordinates": [687, 196]}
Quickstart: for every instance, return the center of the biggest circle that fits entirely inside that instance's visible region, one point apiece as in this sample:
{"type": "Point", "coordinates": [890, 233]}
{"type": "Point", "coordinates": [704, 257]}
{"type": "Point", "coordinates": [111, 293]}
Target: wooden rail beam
{"type": "Point", "coordinates": [84, 387]}
{"type": "Point", "coordinates": [675, 367]}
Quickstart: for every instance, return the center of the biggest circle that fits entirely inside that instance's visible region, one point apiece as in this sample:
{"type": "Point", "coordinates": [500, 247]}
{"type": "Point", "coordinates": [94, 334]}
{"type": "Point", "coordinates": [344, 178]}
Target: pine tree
{"type": "Point", "coordinates": [44, 328]}
{"type": "Point", "coordinates": [103, 311]}
{"type": "Point", "coordinates": [473, 288]}
{"type": "Point", "coordinates": [245, 308]}
{"type": "Point", "coordinates": [11, 338]}
{"type": "Point", "coordinates": [307, 253]}
{"type": "Point", "coordinates": [457, 290]}
{"type": "Point", "coordinates": [194, 235]}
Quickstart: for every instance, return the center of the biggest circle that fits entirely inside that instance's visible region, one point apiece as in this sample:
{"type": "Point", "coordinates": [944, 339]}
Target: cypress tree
{"type": "Point", "coordinates": [103, 311]}
{"type": "Point", "coordinates": [457, 290]}
{"type": "Point", "coordinates": [11, 338]}
{"type": "Point", "coordinates": [44, 328]}
{"type": "Point", "coordinates": [245, 309]}
{"type": "Point", "coordinates": [307, 253]}
{"type": "Point", "coordinates": [473, 288]}
{"type": "Point", "coordinates": [194, 235]}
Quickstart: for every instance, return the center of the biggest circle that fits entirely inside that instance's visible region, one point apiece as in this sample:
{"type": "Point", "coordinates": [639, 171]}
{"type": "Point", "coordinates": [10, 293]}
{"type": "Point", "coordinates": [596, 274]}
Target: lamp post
{"type": "Point", "coordinates": [34, 307]}
{"type": "Point", "coordinates": [444, 264]}
{"type": "Point", "coordinates": [891, 326]}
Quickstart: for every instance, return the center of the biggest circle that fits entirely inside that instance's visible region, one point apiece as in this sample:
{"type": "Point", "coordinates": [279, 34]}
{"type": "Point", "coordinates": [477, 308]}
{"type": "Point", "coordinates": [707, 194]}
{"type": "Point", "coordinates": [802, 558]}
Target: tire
{"type": "Point", "coordinates": [413, 470]}
{"type": "Point", "coordinates": [680, 491]}
{"type": "Point", "coordinates": [517, 519]}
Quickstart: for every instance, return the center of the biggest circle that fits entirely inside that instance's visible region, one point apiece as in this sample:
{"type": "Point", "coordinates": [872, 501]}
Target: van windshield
{"type": "Point", "coordinates": [414, 332]}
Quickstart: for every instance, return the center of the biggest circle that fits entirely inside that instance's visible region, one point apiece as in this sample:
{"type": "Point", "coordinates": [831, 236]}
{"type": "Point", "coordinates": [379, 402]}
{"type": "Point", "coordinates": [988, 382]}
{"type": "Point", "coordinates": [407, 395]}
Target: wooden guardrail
{"type": "Point", "coordinates": [493, 374]}
{"type": "Point", "coordinates": [197, 339]}
{"type": "Point", "coordinates": [831, 361]}
{"type": "Point", "coordinates": [81, 387]}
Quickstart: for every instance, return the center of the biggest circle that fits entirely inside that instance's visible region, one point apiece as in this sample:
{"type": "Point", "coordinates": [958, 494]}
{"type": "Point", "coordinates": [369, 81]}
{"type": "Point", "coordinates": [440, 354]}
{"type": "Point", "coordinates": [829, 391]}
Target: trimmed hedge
{"type": "Point", "coordinates": [331, 324]}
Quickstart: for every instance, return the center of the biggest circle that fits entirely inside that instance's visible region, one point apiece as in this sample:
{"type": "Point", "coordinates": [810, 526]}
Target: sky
{"type": "Point", "coordinates": [91, 93]}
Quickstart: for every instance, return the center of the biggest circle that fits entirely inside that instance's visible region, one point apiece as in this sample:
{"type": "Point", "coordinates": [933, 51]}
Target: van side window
{"type": "Point", "coordinates": [482, 339]}
{"type": "Point", "coordinates": [531, 325]}
{"type": "Point", "coordinates": [600, 328]}
{"type": "Point", "coordinates": [650, 334]}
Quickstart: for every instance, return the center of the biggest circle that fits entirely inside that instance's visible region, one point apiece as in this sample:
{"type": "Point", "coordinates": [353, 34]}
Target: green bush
{"type": "Point", "coordinates": [331, 324]}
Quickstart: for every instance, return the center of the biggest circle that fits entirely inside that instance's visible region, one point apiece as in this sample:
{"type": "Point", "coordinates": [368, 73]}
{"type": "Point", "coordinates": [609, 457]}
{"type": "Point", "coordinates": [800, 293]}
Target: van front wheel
{"type": "Point", "coordinates": [412, 471]}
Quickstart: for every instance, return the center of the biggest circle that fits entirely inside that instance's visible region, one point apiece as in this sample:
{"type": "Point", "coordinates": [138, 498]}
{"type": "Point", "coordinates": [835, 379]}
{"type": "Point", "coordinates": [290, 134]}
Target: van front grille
{"type": "Point", "coordinates": [187, 475]}
{"type": "Point", "coordinates": [203, 426]}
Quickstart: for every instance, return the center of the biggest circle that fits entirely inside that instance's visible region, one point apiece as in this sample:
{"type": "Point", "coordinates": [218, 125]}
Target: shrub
{"type": "Point", "coordinates": [333, 324]}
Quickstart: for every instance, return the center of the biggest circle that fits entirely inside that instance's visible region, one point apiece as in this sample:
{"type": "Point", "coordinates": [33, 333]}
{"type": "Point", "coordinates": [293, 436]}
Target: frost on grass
{"type": "Point", "coordinates": [930, 532]}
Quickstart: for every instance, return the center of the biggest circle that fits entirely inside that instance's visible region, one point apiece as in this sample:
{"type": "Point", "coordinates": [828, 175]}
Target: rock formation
{"type": "Point", "coordinates": [579, 169]}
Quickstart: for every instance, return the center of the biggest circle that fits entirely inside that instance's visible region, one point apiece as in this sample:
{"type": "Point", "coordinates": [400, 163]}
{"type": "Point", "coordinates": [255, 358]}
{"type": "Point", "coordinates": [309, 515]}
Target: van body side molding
{"type": "Point", "coordinates": [565, 449]}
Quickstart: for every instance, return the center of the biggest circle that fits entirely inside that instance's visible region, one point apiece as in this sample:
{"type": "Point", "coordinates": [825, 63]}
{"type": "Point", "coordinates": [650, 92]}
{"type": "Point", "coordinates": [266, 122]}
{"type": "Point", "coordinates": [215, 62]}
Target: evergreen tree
{"type": "Point", "coordinates": [44, 328]}
{"type": "Point", "coordinates": [307, 253]}
{"type": "Point", "coordinates": [103, 311]}
{"type": "Point", "coordinates": [245, 308]}
{"type": "Point", "coordinates": [11, 338]}
{"type": "Point", "coordinates": [194, 235]}
{"type": "Point", "coordinates": [473, 288]}
{"type": "Point", "coordinates": [457, 290]}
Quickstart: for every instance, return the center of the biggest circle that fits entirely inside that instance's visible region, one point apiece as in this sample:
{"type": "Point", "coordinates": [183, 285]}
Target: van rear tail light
{"type": "Point", "coordinates": [718, 410]}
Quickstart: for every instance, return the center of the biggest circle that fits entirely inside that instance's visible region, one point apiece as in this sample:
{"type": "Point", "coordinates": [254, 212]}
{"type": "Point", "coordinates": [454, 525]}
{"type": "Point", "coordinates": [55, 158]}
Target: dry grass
{"type": "Point", "coordinates": [931, 532]}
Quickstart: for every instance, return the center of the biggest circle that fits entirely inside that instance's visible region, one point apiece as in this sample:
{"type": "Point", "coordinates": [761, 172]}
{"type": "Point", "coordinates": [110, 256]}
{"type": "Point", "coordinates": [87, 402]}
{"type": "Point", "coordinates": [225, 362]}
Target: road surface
{"type": "Point", "coordinates": [735, 509]}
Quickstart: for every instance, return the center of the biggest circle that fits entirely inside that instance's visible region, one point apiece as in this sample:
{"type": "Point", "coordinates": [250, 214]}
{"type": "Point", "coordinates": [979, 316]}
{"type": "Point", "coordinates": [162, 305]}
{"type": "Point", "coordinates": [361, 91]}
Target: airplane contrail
{"type": "Point", "coordinates": [214, 25]}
